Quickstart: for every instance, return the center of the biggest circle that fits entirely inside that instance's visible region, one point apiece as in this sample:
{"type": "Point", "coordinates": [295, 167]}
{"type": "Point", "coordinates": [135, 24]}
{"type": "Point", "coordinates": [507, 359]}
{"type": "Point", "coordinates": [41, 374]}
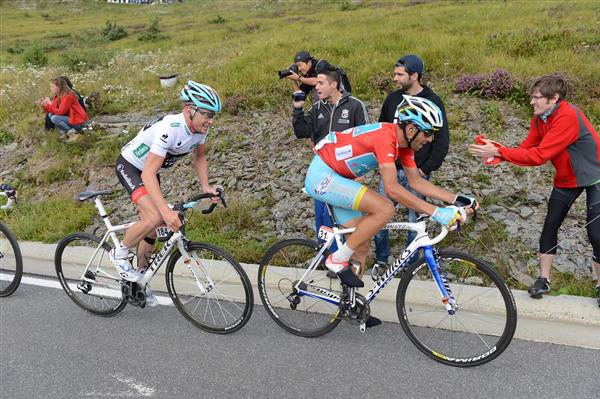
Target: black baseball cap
{"type": "Point", "coordinates": [412, 63]}
{"type": "Point", "coordinates": [302, 56]}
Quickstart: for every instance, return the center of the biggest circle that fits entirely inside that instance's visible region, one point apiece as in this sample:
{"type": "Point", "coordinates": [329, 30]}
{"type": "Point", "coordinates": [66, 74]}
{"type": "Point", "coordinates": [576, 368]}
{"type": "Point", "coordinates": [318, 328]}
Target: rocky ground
{"type": "Point", "coordinates": [255, 157]}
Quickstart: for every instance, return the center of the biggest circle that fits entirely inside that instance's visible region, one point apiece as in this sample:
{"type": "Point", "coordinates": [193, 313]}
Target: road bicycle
{"type": "Point", "coordinates": [206, 284]}
{"type": "Point", "coordinates": [452, 306]}
{"type": "Point", "coordinates": [11, 260]}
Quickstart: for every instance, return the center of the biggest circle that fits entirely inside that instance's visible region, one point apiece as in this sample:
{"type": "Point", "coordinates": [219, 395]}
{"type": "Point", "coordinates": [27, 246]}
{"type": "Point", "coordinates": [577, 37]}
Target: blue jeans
{"type": "Point", "coordinates": [322, 218]}
{"type": "Point", "coordinates": [382, 245]}
{"type": "Point", "coordinates": [62, 122]}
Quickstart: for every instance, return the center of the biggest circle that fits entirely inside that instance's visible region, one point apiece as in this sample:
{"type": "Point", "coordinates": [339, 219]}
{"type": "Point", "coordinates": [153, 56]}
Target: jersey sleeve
{"type": "Point", "coordinates": [407, 157]}
{"type": "Point", "coordinates": [163, 141]}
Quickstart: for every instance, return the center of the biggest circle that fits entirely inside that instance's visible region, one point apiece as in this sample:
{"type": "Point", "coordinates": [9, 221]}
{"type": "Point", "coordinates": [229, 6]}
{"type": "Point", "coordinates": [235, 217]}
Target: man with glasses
{"type": "Point", "coordinates": [156, 147]}
{"type": "Point", "coordinates": [560, 133]}
{"type": "Point", "coordinates": [408, 72]}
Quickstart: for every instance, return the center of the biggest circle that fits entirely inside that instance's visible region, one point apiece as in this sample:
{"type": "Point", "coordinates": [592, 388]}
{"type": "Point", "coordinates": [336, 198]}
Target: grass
{"type": "Point", "coordinates": [48, 220]}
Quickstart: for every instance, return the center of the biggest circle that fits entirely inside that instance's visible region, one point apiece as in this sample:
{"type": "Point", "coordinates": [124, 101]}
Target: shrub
{"type": "Point", "coordinates": [499, 84]}
{"type": "Point", "coordinates": [15, 50]}
{"type": "Point", "coordinates": [34, 55]}
{"type": "Point", "coordinates": [6, 137]}
{"type": "Point", "coordinates": [153, 33]}
{"type": "Point", "coordinates": [81, 60]}
{"type": "Point", "coordinates": [218, 20]}
{"type": "Point", "coordinates": [113, 32]}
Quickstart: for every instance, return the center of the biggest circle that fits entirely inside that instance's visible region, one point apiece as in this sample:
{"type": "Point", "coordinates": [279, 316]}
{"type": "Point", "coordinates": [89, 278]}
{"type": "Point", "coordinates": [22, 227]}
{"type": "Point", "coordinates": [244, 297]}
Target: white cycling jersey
{"type": "Point", "coordinates": [167, 137]}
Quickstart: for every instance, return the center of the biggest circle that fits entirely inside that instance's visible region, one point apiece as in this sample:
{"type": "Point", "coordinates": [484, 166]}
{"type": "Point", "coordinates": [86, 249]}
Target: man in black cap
{"type": "Point", "coordinates": [306, 78]}
{"type": "Point", "coordinates": [408, 71]}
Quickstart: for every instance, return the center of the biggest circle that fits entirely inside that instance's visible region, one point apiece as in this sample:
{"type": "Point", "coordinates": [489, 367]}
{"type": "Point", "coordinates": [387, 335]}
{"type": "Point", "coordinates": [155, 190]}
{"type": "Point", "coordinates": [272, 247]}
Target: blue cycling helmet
{"type": "Point", "coordinates": [422, 113]}
{"type": "Point", "coordinates": [201, 96]}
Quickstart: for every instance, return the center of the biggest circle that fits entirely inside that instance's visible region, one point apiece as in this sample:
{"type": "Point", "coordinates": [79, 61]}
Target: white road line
{"type": "Point", "coordinates": [41, 282]}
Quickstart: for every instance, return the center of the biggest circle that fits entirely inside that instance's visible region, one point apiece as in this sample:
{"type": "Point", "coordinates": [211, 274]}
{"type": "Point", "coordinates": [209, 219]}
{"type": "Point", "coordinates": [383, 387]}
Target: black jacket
{"type": "Point", "coordinates": [431, 155]}
{"type": "Point", "coordinates": [323, 117]}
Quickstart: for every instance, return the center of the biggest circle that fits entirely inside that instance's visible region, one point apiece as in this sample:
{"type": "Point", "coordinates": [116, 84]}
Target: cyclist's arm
{"type": "Point", "coordinates": [394, 190]}
{"type": "Point", "coordinates": [426, 188]}
{"type": "Point", "coordinates": [201, 167]}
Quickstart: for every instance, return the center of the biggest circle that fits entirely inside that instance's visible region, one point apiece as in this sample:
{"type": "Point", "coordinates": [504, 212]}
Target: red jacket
{"type": "Point", "coordinates": [567, 139]}
{"type": "Point", "coordinates": [68, 106]}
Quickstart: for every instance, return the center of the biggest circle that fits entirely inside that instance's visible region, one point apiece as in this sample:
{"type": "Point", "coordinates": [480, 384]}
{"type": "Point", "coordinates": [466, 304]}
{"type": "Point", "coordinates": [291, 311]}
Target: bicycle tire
{"type": "Point", "coordinates": [233, 306]}
{"type": "Point", "coordinates": [103, 297]}
{"type": "Point", "coordinates": [11, 264]}
{"type": "Point", "coordinates": [486, 313]}
{"type": "Point", "coordinates": [275, 285]}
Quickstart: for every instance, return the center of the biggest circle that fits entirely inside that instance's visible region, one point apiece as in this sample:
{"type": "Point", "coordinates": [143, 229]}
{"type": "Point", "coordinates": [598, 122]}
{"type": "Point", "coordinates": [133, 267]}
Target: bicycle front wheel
{"type": "Point", "coordinates": [87, 275]}
{"type": "Point", "coordinates": [11, 262]}
{"type": "Point", "coordinates": [482, 322]}
{"type": "Point", "coordinates": [211, 289]}
{"type": "Point", "coordinates": [306, 314]}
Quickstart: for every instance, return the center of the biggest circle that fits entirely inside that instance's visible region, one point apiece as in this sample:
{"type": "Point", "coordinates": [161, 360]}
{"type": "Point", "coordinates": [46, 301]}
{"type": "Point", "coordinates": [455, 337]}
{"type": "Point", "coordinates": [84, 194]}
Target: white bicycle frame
{"type": "Point", "coordinates": [177, 239]}
{"type": "Point", "coordinates": [9, 204]}
{"type": "Point", "coordinates": [422, 240]}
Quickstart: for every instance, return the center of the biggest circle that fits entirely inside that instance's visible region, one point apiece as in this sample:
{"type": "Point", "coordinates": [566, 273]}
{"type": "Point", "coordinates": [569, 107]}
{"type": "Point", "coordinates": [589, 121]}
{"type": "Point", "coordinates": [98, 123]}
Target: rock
{"type": "Point", "coordinates": [526, 212]}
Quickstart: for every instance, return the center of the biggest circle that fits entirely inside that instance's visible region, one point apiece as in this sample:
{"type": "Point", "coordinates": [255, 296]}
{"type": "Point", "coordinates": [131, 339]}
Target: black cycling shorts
{"type": "Point", "coordinates": [131, 178]}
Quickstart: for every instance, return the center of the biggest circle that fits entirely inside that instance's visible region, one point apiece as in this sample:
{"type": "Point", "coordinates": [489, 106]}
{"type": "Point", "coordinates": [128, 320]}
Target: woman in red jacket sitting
{"type": "Point", "coordinates": [64, 110]}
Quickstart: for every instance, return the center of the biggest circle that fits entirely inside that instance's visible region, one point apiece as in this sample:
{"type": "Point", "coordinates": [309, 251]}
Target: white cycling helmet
{"type": "Point", "coordinates": [422, 113]}
{"type": "Point", "coordinates": [201, 96]}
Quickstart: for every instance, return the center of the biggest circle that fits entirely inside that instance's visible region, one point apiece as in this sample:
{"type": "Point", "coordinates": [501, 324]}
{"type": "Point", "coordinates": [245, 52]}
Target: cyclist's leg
{"type": "Point", "coordinates": [382, 244]}
{"type": "Point", "coordinates": [130, 178]}
{"type": "Point", "coordinates": [144, 251]}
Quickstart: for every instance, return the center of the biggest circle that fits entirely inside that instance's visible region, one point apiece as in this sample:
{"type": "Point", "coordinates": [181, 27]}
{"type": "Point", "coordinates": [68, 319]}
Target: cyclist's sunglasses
{"type": "Point", "coordinates": [428, 133]}
{"type": "Point", "coordinates": [204, 113]}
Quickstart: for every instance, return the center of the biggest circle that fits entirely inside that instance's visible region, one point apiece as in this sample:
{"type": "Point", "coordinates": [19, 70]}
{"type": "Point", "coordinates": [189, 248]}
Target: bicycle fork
{"type": "Point", "coordinates": [441, 280]}
{"type": "Point", "coordinates": [193, 264]}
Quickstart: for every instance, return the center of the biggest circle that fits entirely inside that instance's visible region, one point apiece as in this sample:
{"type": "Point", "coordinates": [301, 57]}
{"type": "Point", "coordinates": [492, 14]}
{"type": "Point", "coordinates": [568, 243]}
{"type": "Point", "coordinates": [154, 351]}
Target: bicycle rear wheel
{"type": "Point", "coordinates": [11, 262]}
{"type": "Point", "coordinates": [280, 269]}
{"type": "Point", "coordinates": [226, 304]}
{"type": "Point", "coordinates": [484, 321]}
{"type": "Point", "coordinates": [95, 288]}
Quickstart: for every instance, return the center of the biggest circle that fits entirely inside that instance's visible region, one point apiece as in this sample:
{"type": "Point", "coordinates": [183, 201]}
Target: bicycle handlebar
{"type": "Point", "coordinates": [192, 202]}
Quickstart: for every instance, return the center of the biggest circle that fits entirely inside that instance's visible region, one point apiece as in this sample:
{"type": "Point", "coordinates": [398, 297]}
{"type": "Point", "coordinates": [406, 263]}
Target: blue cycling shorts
{"type": "Point", "coordinates": [324, 184]}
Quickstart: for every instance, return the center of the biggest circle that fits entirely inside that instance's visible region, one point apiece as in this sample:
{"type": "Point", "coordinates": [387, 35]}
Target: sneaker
{"type": "Point", "coordinates": [71, 138]}
{"type": "Point", "coordinates": [541, 286]}
{"type": "Point", "coordinates": [598, 294]}
{"type": "Point", "coordinates": [150, 298]}
{"type": "Point", "coordinates": [124, 268]}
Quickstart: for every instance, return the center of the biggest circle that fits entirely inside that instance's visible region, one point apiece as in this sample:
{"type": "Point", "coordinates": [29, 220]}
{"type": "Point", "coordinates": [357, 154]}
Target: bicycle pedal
{"type": "Point", "coordinates": [362, 327]}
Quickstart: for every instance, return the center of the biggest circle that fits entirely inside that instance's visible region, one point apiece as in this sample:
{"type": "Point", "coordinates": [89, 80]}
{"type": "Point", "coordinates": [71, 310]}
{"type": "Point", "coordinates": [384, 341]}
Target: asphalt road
{"type": "Point", "coordinates": [50, 348]}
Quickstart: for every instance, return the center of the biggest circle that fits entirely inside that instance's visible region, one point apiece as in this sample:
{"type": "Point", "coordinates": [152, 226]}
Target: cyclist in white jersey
{"type": "Point", "coordinates": [156, 147]}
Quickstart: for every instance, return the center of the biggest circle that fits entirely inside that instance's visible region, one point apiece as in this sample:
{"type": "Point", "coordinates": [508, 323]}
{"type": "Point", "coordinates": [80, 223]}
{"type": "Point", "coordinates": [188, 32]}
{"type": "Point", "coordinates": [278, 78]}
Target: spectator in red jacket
{"type": "Point", "coordinates": [560, 133]}
{"type": "Point", "coordinates": [64, 110]}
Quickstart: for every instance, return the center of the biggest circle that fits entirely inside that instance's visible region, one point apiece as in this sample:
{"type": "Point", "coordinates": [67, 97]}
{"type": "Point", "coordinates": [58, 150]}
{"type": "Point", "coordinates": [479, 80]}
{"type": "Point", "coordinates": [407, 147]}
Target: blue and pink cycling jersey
{"type": "Point", "coordinates": [342, 156]}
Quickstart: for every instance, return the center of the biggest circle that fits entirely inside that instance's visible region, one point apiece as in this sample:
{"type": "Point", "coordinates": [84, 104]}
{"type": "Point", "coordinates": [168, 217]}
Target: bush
{"type": "Point", "coordinates": [218, 20]}
{"type": "Point", "coordinates": [152, 33]}
{"type": "Point", "coordinates": [34, 55]}
{"type": "Point", "coordinates": [113, 32]}
{"type": "Point", "coordinates": [6, 137]}
{"type": "Point", "coordinates": [15, 50]}
{"type": "Point", "coordinates": [499, 84]}
{"type": "Point", "coordinates": [82, 60]}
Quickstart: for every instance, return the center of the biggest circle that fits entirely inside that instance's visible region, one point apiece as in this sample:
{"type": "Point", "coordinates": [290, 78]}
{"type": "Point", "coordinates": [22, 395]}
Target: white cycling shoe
{"type": "Point", "coordinates": [124, 267]}
{"type": "Point", "coordinates": [150, 298]}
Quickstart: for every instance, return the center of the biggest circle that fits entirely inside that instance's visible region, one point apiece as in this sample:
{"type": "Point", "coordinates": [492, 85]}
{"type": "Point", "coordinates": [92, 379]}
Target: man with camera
{"type": "Point", "coordinates": [336, 110]}
{"type": "Point", "coordinates": [303, 74]}
{"type": "Point", "coordinates": [408, 71]}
